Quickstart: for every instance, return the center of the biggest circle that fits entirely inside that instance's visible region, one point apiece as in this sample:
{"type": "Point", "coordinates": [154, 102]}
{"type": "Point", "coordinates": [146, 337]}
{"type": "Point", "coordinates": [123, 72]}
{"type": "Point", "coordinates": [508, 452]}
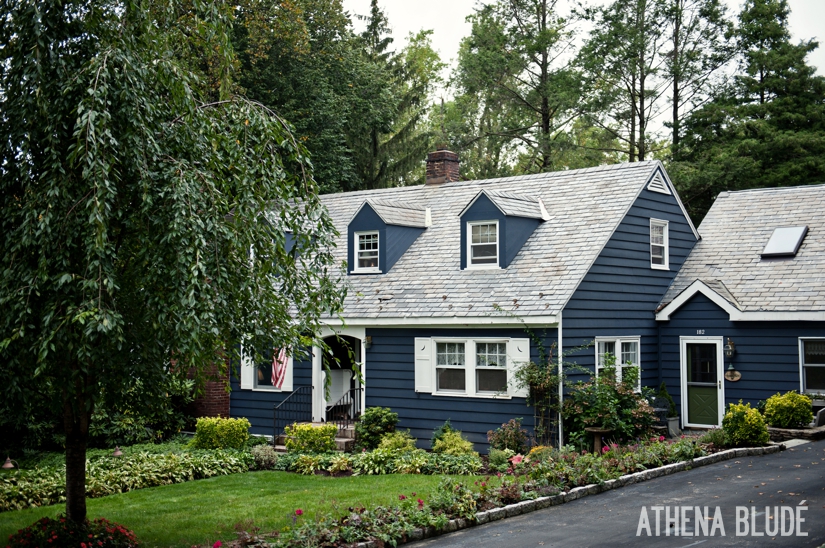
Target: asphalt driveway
{"type": "Point", "coordinates": [790, 485]}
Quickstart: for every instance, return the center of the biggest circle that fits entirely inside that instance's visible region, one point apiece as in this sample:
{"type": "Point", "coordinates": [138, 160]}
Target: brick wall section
{"type": "Point", "coordinates": [215, 399]}
{"type": "Point", "coordinates": [442, 167]}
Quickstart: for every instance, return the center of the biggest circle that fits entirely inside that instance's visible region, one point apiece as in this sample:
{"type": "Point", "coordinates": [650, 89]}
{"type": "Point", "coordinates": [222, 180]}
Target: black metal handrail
{"type": "Point", "coordinates": [297, 407]}
{"type": "Point", "coordinates": [346, 410]}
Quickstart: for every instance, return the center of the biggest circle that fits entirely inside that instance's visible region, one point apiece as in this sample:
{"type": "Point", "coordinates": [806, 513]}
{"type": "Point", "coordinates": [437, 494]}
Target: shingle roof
{"type": "Point", "coordinates": [399, 213]}
{"type": "Point", "coordinates": [735, 232]}
{"type": "Point", "coordinates": [517, 205]}
{"type": "Point", "coordinates": [426, 282]}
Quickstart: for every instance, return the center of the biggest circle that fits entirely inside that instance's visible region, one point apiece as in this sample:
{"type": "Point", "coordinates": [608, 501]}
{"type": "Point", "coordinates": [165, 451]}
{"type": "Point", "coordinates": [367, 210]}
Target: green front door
{"type": "Point", "coordinates": [702, 373]}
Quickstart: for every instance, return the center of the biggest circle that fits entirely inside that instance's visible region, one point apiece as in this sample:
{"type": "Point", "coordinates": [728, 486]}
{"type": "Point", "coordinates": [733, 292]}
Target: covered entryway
{"type": "Point", "coordinates": [338, 394]}
{"type": "Point", "coordinates": [703, 395]}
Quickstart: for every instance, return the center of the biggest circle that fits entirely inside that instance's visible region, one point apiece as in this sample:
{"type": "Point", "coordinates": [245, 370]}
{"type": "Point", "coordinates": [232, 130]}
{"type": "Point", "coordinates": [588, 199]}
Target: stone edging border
{"type": "Point", "coordinates": [527, 506]}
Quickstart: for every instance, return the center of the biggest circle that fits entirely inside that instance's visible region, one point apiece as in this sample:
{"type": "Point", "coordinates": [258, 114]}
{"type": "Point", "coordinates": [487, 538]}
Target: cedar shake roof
{"type": "Point", "coordinates": [734, 234]}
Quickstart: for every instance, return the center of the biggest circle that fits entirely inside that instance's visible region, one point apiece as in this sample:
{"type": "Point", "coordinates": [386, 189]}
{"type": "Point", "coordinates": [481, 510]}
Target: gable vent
{"type": "Point", "coordinates": [658, 184]}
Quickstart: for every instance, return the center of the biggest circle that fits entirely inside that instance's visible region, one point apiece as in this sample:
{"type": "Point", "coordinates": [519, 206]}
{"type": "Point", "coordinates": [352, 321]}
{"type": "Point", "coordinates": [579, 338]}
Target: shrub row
{"type": "Point", "coordinates": [380, 461]}
{"type": "Point", "coordinates": [43, 486]}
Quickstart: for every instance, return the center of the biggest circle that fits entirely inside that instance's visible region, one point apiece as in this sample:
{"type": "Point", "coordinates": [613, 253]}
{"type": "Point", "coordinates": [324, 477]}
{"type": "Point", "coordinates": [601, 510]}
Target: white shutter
{"type": "Point", "coordinates": [287, 386]}
{"type": "Point", "coordinates": [518, 354]}
{"type": "Point", "coordinates": [247, 372]}
{"type": "Point", "coordinates": [424, 372]}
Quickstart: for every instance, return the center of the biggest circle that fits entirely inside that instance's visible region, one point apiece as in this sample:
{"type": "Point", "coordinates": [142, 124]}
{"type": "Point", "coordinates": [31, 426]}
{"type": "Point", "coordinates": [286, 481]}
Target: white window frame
{"type": "Point", "coordinates": [665, 244]}
{"type": "Point", "coordinates": [470, 225]}
{"type": "Point", "coordinates": [802, 366]}
{"type": "Point", "coordinates": [617, 342]}
{"type": "Point", "coordinates": [357, 252]}
{"type": "Point", "coordinates": [463, 367]}
{"type": "Point", "coordinates": [249, 376]}
{"type": "Point", "coordinates": [470, 366]}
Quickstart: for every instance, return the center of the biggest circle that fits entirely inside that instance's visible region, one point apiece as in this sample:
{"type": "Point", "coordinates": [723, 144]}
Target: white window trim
{"type": "Point", "coordinates": [249, 376]}
{"type": "Point", "coordinates": [618, 347]}
{"type": "Point", "coordinates": [666, 237]}
{"type": "Point", "coordinates": [470, 368]}
{"type": "Point", "coordinates": [356, 243]}
{"type": "Point", "coordinates": [488, 266]}
{"type": "Point", "coordinates": [802, 364]}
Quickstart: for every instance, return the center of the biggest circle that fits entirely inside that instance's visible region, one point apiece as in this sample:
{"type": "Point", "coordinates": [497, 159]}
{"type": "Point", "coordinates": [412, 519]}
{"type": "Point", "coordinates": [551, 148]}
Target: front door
{"type": "Point", "coordinates": [702, 387]}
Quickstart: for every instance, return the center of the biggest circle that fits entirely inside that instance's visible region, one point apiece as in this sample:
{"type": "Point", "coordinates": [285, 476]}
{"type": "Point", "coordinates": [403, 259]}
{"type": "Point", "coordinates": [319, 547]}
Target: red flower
{"type": "Point", "coordinates": [420, 503]}
{"type": "Point", "coordinates": [299, 512]}
{"type": "Point", "coordinates": [402, 497]}
{"type": "Point", "coordinates": [217, 544]}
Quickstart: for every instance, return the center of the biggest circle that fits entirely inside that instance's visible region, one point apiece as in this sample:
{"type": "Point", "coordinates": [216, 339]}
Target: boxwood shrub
{"type": "Point", "coordinates": [220, 433]}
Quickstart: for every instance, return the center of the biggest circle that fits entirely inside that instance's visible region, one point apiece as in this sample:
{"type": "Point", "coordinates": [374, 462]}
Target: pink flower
{"type": "Point", "coordinates": [299, 512]}
{"type": "Point", "coordinates": [402, 497]}
{"type": "Point", "coordinates": [516, 459]}
{"type": "Point", "coordinates": [605, 449]}
{"type": "Point", "coordinates": [661, 438]}
{"type": "Point", "coordinates": [420, 503]}
{"type": "Point", "coordinates": [217, 544]}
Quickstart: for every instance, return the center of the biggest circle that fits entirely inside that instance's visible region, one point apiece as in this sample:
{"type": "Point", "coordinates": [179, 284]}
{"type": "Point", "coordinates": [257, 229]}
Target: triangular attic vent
{"type": "Point", "coordinates": [658, 184]}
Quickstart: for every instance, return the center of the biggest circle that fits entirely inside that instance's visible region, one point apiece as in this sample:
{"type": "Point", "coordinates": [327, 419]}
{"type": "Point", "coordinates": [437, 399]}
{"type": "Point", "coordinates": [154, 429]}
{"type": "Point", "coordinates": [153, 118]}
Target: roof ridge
{"type": "Point", "coordinates": [772, 189]}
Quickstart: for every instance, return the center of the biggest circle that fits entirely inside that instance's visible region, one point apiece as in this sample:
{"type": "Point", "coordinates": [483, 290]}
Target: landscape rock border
{"type": "Point", "coordinates": [540, 503]}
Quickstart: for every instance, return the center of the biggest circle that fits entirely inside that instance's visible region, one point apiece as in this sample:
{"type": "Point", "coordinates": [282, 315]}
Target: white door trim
{"type": "Point", "coordinates": [720, 393]}
{"type": "Point", "coordinates": [319, 401]}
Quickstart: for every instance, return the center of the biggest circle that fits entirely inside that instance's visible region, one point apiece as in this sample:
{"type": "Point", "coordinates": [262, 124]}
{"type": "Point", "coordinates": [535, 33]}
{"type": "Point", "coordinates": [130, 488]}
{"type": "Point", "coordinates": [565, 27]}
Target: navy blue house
{"type": "Point", "coordinates": [446, 278]}
{"type": "Point", "coordinates": [745, 316]}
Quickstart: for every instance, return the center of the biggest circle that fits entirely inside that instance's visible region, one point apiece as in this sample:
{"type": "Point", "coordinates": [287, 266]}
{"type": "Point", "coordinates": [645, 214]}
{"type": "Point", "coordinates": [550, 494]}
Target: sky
{"type": "Point", "coordinates": [447, 20]}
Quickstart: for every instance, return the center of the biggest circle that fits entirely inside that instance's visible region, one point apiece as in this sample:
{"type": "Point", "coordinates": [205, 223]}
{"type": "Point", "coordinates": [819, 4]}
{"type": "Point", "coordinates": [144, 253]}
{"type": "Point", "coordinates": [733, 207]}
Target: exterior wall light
{"type": "Point", "coordinates": [730, 349]}
{"type": "Point", "coordinates": [368, 342]}
{"type": "Point", "coordinates": [8, 464]}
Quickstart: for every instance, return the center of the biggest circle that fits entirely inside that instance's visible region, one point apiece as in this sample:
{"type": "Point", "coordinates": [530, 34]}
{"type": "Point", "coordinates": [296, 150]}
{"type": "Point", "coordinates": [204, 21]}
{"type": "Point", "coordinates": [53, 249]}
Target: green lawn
{"type": "Point", "coordinates": [201, 512]}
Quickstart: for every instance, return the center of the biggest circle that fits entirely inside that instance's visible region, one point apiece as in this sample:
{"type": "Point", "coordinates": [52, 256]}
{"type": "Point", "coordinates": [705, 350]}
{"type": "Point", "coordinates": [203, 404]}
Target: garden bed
{"type": "Point", "coordinates": [527, 506]}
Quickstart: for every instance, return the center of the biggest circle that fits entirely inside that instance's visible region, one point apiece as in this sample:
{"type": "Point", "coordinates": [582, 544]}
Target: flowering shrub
{"type": "Point", "coordinates": [510, 436]}
{"type": "Point", "coordinates": [608, 403]}
{"type": "Point", "coordinates": [65, 533]}
{"type": "Point", "coordinates": [744, 426]}
{"type": "Point", "coordinates": [790, 410]}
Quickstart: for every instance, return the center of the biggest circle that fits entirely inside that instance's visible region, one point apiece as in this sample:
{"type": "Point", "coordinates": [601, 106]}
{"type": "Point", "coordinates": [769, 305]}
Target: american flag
{"type": "Point", "coordinates": [279, 363]}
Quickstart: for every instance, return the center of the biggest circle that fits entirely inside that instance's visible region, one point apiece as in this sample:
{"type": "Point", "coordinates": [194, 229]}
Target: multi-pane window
{"type": "Point", "coordinates": [658, 244]}
{"type": "Point", "coordinates": [483, 247]}
{"type": "Point", "coordinates": [621, 353]}
{"type": "Point", "coordinates": [367, 252]}
{"type": "Point", "coordinates": [491, 367]}
{"type": "Point", "coordinates": [449, 370]}
{"type": "Point", "coordinates": [813, 365]}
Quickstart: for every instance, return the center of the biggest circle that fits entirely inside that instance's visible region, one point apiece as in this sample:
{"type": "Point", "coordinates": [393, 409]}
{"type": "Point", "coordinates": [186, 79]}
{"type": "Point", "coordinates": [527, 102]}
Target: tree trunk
{"type": "Point", "coordinates": [76, 420]}
{"type": "Point", "coordinates": [677, 74]}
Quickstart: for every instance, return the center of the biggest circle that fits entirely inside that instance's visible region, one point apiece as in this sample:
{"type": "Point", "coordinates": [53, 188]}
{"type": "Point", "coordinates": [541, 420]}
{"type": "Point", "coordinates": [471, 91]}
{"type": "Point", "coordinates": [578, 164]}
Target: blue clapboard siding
{"type": "Point", "coordinates": [257, 405]}
{"type": "Point", "coordinates": [619, 295]}
{"type": "Point", "coordinates": [390, 382]}
{"type": "Point", "coordinates": [767, 353]}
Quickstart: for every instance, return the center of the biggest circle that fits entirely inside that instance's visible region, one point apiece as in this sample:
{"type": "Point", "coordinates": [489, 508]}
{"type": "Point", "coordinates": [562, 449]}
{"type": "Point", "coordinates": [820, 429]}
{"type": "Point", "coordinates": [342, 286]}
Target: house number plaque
{"type": "Point", "coordinates": [733, 376]}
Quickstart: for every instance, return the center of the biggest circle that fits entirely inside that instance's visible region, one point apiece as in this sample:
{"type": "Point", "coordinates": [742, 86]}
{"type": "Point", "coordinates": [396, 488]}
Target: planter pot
{"type": "Point", "coordinates": [673, 429]}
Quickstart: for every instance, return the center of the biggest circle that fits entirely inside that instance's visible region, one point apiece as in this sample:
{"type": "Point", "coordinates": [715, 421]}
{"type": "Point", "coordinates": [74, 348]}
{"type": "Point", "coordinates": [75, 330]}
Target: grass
{"type": "Point", "coordinates": [201, 512]}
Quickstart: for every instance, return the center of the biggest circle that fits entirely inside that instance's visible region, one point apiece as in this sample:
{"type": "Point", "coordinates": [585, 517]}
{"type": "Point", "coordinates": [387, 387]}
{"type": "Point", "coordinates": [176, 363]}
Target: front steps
{"type": "Point", "coordinates": [344, 440]}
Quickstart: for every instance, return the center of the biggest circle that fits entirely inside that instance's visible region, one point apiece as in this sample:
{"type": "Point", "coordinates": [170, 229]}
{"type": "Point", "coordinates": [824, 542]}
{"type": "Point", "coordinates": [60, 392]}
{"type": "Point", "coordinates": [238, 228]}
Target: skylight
{"type": "Point", "coordinates": [785, 241]}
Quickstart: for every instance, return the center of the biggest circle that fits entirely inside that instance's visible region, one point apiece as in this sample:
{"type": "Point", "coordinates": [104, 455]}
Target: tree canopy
{"type": "Point", "coordinates": [144, 211]}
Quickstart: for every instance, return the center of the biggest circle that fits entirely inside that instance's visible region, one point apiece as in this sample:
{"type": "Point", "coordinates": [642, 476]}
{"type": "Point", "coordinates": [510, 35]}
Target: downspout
{"type": "Point", "coordinates": [659, 345]}
{"type": "Point", "coordinates": [561, 384]}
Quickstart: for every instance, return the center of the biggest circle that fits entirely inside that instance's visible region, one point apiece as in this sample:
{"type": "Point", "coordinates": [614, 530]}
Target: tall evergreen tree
{"type": "Point", "coordinates": [767, 128]}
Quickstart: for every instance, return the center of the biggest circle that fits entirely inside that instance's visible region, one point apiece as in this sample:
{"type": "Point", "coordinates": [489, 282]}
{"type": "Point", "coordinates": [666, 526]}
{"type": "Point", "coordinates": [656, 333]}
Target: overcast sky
{"type": "Point", "coordinates": [447, 20]}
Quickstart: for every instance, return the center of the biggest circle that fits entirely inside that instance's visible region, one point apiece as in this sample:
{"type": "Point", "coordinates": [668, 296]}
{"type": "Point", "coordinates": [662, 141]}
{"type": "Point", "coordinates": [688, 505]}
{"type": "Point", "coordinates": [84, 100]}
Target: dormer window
{"type": "Point", "coordinates": [483, 250]}
{"type": "Point", "coordinates": [367, 260]}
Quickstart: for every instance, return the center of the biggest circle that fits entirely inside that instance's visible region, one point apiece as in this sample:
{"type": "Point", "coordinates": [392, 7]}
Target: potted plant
{"type": "Point", "coordinates": [663, 400]}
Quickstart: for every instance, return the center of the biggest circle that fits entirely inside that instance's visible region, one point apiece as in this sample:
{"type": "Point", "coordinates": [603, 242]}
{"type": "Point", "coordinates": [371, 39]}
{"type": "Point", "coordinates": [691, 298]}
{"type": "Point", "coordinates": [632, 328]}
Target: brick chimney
{"type": "Point", "coordinates": [442, 166]}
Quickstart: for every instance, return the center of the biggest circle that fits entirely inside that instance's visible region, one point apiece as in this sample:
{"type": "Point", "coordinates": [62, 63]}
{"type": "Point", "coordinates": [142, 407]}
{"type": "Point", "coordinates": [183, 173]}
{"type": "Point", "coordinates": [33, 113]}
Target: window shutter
{"type": "Point", "coordinates": [518, 354]}
{"type": "Point", "coordinates": [247, 373]}
{"type": "Point", "coordinates": [424, 365]}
